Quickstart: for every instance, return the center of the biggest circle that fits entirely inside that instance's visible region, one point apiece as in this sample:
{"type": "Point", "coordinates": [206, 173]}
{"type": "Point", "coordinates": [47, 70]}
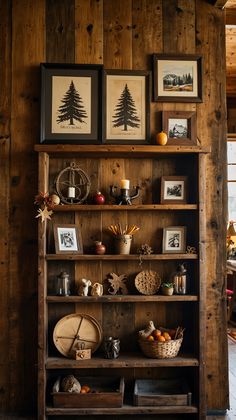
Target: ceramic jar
{"type": "Point", "coordinates": [100, 248]}
{"type": "Point", "coordinates": [99, 198]}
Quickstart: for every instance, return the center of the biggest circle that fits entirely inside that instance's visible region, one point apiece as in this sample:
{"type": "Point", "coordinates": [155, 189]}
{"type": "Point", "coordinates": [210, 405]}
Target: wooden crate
{"type": "Point", "coordinates": [105, 392]}
{"type": "Point", "coordinates": [161, 392]}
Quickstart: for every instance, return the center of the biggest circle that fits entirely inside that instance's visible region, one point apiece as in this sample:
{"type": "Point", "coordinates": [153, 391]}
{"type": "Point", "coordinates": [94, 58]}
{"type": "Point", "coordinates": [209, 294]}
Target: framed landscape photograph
{"type": "Point", "coordinates": [71, 103]}
{"type": "Point", "coordinates": [180, 127]}
{"type": "Point", "coordinates": [68, 239]}
{"type": "Point", "coordinates": [126, 107]}
{"type": "Point", "coordinates": [177, 78]}
{"type": "Point", "coordinates": [174, 240]}
{"type": "Point", "coordinates": [173, 189]}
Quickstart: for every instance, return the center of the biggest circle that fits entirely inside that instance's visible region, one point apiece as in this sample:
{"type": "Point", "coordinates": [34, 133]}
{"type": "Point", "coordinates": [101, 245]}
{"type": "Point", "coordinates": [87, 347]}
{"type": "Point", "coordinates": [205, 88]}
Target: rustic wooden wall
{"type": "Point", "coordinates": [119, 34]}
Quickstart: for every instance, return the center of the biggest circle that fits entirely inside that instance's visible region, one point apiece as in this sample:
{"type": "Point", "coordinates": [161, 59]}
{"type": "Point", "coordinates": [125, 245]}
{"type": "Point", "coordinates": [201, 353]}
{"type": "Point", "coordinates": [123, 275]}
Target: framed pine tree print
{"type": "Point", "coordinates": [71, 103]}
{"type": "Point", "coordinates": [126, 107]}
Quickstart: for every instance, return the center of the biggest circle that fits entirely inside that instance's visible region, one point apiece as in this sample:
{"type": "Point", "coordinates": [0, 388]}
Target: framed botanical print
{"type": "Point", "coordinates": [177, 78]}
{"type": "Point", "coordinates": [71, 103]}
{"type": "Point", "coordinates": [126, 106]}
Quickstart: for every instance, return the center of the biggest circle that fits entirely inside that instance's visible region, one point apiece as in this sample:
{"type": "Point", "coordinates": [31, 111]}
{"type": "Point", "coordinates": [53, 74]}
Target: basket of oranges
{"type": "Point", "coordinates": [161, 343]}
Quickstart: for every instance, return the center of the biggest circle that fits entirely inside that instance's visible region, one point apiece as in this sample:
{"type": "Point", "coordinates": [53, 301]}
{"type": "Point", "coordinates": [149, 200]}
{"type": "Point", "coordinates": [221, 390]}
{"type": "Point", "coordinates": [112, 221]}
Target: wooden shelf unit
{"type": "Point", "coordinates": [106, 165]}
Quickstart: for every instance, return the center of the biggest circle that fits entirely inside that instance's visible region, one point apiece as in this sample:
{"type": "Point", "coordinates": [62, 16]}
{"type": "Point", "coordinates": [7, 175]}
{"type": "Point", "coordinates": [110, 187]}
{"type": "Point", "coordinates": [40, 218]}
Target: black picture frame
{"type": "Point", "coordinates": [63, 82]}
{"type": "Point", "coordinates": [134, 87]}
{"type": "Point", "coordinates": [177, 78]}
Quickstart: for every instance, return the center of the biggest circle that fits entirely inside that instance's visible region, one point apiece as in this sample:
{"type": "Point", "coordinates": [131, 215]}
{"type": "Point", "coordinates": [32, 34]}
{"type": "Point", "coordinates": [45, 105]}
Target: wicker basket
{"type": "Point", "coordinates": [160, 350]}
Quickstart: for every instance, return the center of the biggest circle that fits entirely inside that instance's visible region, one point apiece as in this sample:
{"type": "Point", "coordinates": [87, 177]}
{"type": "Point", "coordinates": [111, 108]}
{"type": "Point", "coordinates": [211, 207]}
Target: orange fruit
{"type": "Point", "coordinates": [150, 338]}
{"type": "Point", "coordinates": [167, 336]}
{"type": "Point", "coordinates": [161, 138]}
{"type": "Point", "coordinates": [156, 333]}
{"type": "Point", "coordinates": [161, 338]}
{"type": "Point", "coordinates": [85, 389]}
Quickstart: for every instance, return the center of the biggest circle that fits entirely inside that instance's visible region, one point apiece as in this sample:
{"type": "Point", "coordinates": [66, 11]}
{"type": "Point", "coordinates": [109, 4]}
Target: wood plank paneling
{"type": "Point", "coordinates": [210, 30]}
{"type": "Point", "coordinates": [117, 23]}
{"type": "Point", "coordinates": [121, 34]}
{"type": "Point", "coordinates": [5, 106]}
{"type": "Point", "coordinates": [60, 27]}
{"type": "Point", "coordinates": [28, 47]}
{"type": "Point", "coordinates": [89, 31]}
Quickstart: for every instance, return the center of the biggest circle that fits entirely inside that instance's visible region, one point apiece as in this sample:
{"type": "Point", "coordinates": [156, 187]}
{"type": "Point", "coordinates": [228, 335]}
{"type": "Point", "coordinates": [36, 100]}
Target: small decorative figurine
{"type": "Point", "coordinates": [97, 289]}
{"type": "Point", "coordinates": [84, 287]}
{"type": "Point", "coordinates": [124, 197]}
{"type": "Point", "coordinates": [111, 347]}
{"type": "Point", "coordinates": [117, 284]}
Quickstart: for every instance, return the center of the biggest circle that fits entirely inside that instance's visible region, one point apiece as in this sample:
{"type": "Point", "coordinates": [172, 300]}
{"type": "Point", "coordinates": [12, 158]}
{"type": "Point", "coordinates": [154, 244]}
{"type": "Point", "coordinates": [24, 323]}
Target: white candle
{"type": "Point", "coordinates": [71, 192]}
{"type": "Point", "coordinates": [124, 184]}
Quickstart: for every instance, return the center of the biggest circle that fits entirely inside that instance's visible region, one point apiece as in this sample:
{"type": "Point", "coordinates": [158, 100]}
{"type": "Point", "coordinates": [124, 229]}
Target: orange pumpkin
{"type": "Point", "coordinates": [161, 138]}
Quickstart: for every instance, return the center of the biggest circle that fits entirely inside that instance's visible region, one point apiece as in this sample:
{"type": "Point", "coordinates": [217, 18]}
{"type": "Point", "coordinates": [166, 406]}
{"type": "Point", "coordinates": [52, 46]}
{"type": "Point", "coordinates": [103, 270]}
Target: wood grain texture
{"type": "Point", "coordinates": [5, 106]}
{"type": "Point", "coordinates": [28, 47]}
{"type": "Point", "coordinates": [148, 37]}
{"type": "Point", "coordinates": [212, 131]}
{"type": "Point", "coordinates": [117, 24]}
{"type": "Point", "coordinates": [180, 14]}
{"type": "Point", "coordinates": [89, 31]}
{"type": "Point", "coordinates": [60, 27]}
{"type": "Point", "coordinates": [124, 35]}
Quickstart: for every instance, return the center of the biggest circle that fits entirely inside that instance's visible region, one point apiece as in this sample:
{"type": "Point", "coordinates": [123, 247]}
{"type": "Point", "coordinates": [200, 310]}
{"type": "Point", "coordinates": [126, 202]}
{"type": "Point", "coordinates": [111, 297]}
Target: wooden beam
{"type": "Point", "coordinates": [219, 3]}
{"type": "Point", "coordinates": [230, 18]}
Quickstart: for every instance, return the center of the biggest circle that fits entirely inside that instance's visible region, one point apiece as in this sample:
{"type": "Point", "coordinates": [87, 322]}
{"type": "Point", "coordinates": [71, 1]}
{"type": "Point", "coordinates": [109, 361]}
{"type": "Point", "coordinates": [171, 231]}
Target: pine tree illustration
{"type": "Point", "coordinates": [125, 111]}
{"type": "Point", "coordinates": [72, 108]}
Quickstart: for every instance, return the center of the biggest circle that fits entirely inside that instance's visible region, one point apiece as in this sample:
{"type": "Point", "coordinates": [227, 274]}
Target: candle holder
{"type": "Point", "coordinates": [124, 198]}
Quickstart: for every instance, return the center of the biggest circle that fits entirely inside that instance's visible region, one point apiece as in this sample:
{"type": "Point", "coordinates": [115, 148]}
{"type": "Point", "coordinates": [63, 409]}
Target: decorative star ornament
{"type": "Point", "coordinates": [44, 214]}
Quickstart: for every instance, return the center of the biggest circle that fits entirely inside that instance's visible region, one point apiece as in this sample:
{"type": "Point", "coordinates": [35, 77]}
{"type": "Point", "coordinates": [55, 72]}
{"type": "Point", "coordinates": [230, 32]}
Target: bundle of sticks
{"type": "Point", "coordinates": [118, 230]}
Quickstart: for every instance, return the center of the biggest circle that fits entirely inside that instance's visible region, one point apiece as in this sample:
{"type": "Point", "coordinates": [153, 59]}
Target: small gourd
{"type": "Point", "coordinates": [161, 138]}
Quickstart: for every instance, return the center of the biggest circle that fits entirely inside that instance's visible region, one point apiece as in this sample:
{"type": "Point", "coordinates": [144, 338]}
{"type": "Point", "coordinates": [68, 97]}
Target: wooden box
{"type": "Point", "coordinates": [105, 392]}
{"type": "Point", "coordinates": [155, 392]}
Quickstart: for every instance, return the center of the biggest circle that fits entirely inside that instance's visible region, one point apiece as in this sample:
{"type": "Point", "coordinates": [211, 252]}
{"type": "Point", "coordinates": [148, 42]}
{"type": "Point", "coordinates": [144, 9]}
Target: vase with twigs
{"type": "Point", "coordinates": [123, 237]}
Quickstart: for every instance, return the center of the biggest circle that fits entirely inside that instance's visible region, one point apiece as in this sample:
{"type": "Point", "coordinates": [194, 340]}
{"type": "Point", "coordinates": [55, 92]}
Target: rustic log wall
{"type": "Point", "coordinates": [118, 34]}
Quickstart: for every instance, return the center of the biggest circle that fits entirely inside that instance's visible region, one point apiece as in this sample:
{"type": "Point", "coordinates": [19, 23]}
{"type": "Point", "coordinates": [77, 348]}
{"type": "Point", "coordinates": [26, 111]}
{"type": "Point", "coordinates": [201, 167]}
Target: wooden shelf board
{"type": "Point", "coordinates": [111, 149]}
{"type": "Point", "coordinates": [125, 409]}
{"type": "Point", "coordinates": [114, 207]}
{"type": "Point", "coordinates": [132, 257]}
{"type": "Point", "coordinates": [122, 298]}
{"type": "Point", "coordinates": [123, 361]}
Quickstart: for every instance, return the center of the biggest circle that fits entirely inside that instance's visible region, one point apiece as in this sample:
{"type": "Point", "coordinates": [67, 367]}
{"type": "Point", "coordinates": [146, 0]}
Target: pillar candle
{"type": "Point", "coordinates": [124, 184]}
{"type": "Point", "coordinates": [71, 192]}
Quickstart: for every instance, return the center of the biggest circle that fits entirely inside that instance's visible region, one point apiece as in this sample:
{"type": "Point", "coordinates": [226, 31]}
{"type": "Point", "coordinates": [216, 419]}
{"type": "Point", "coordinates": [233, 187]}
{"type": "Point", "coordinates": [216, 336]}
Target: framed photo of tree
{"type": "Point", "coordinates": [126, 107]}
{"type": "Point", "coordinates": [71, 103]}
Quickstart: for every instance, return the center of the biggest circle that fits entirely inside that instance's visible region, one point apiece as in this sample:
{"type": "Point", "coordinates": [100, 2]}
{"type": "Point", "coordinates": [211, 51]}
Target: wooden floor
{"type": "Point", "coordinates": [231, 414]}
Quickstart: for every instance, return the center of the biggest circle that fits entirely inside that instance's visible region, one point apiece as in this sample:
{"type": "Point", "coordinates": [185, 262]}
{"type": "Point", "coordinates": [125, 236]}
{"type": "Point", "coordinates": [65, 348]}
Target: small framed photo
{"type": "Point", "coordinates": [173, 189]}
{"type": "Point", "coordinates": [126, 107]}
{"type": "Point", "coordinates": [177, 78]}
{"type": "Point", "coordinates": [180, 127]}
{"type": "Point", "coordinates": [68, 239]}
{"type": "Point", "coordinates": [174, 240]}
{"type": "Point", "coordinates": [71, 103]}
